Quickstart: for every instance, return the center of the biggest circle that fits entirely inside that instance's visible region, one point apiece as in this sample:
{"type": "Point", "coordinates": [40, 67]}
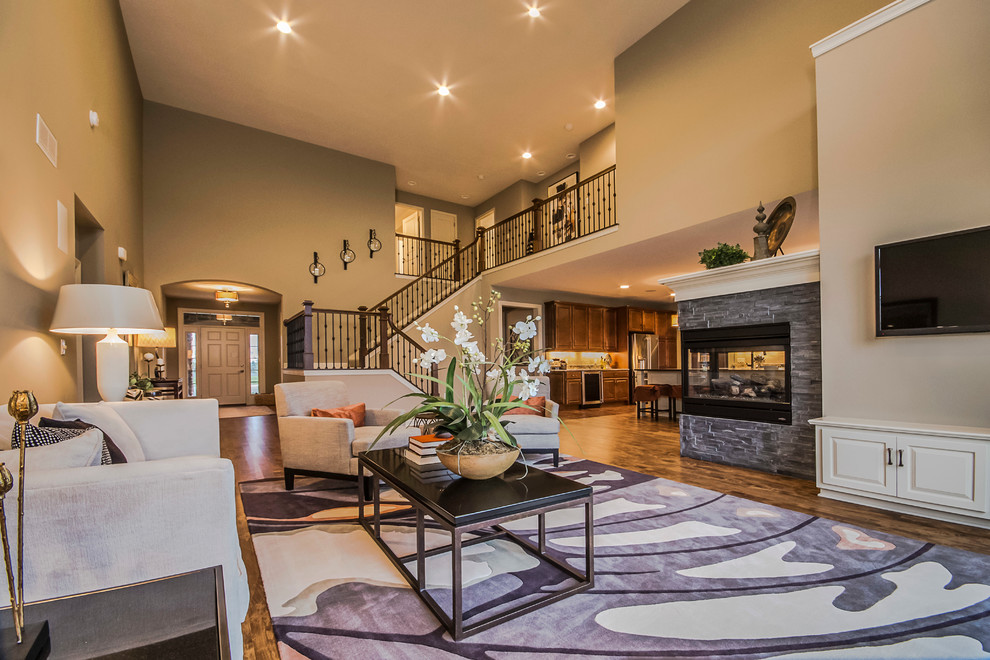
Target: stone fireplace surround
{"type": "Point", "coordinates": [787, 291]}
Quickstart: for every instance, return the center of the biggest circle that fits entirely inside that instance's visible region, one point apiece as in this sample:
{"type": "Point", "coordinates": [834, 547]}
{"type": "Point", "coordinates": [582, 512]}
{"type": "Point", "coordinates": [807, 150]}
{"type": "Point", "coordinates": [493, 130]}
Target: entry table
{"type": "Point", "coordinates": [479, 508]}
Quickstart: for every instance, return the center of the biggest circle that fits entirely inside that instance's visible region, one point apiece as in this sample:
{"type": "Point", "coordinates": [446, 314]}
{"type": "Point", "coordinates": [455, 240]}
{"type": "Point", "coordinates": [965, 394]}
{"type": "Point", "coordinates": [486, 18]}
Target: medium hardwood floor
{"type": "Point", "coordinates": [611, 435]}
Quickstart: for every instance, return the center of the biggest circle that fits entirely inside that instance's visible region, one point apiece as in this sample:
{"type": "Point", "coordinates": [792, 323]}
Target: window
{"type": "Point", "coordinates": [253, 358]}
{"type": "Point", "coordinates": [191, 363]}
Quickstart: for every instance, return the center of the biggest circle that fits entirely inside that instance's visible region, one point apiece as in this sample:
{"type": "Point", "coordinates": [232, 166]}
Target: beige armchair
{"type": "Point", "coordinates": [326, 446]}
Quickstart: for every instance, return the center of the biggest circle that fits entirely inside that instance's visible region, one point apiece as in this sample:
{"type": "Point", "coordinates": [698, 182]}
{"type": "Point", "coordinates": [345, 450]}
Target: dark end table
{"type": "Point", "coordinates": [462, 506]}
{"type": "Point", "coordinates": [173, 618]}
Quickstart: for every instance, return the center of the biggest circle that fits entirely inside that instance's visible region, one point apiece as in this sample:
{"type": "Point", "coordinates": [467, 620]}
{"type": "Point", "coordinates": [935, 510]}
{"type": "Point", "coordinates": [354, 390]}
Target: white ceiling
{"type": "Point", "coordinates": [206, 290]}
{"type": "Point", "coordinates": [360, 76]}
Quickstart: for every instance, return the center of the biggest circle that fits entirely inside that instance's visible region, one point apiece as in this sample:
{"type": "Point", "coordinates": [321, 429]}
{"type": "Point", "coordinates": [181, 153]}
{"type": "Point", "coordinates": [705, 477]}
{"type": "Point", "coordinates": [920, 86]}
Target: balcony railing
{"type": "Point", "coordinates": [417, 256]}
{"type": "Point", "coordinates": [578, 211]}
{"type": "Point", "coordinates": [374, 338]}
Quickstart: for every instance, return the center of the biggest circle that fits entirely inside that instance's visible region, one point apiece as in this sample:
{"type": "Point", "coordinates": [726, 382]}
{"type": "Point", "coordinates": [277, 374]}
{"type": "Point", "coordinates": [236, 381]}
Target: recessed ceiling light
{"type": "Point", "coordinates": [465, 196]}
{"type": "Point", "coordinates": [599, 104]}
{"type": "Point", "coordinates": [284, 27]}
{"type": "Point", "coordinates": [442, 90]}
{"type": "Point", "coordinates": [526, 154]}
{"type": "Point", "coordinates": [569, 156]}
{"type": "Point", "coordinates": [568, 126]}
{"type": "Point", "coordinates": [540, 172]}
{"type": "Point", "coordinates": [623, 286]}
{"type": "Point", "coordinates": [481, 177]}
{"type": "Point", "coordinates": [534, 11]}
{"type": "Point", "coordinates": [651, 290]}
{"type": "Point", "coordinates": [411, 183]}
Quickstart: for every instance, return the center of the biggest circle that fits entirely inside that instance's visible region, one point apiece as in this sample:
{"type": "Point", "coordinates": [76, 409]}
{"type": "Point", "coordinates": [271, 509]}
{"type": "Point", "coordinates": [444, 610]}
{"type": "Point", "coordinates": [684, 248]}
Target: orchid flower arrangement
{"type": "Point", "coordinates": [477, 389]}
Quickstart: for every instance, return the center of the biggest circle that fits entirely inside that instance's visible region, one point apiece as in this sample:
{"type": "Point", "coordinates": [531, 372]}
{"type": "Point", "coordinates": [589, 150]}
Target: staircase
{"type": "Point", "coordinates": [375, 337]}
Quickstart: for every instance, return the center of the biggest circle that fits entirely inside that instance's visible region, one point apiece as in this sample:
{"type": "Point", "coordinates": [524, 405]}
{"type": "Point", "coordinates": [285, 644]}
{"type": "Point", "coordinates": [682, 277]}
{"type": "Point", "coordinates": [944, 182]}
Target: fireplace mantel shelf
{"type": "Point", "coordinates": [798, 268]}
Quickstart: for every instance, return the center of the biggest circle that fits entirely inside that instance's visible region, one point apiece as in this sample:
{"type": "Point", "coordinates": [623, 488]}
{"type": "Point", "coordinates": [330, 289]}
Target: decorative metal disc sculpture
{"type": "Point", "coordinates": [780, 223]}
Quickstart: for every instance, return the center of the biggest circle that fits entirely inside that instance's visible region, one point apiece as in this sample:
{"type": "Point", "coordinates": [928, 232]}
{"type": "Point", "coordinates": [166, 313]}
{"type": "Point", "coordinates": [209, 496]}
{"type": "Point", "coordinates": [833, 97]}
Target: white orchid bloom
{"type": "Point", "coordinates": [463, 337]}
{"type": "Point", "coordinates": [461, 321]}
{"type": "Point", "coordinates": [493, 374]}
{"type": "Point", "coordinates": [525, 329]}
{"type": "Point", "coordinates": [430, 335]}
{"type": "Point", "coordinates": [538, 364]}
{"type": "Point", "coordinates": [432, 356]}
{"type": "Point", "coordinates": [532, 388]}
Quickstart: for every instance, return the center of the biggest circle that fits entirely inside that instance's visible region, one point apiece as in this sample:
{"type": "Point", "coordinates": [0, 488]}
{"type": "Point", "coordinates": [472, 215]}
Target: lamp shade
{"type": "Point", "coordinates": [96, 309]}
{"type": "Point", "coordinates": [164, 339]}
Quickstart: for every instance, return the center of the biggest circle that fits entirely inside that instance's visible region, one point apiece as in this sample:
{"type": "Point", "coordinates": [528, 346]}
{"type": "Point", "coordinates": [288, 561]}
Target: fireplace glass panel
{"type": "Point", "coordinates": [755, 373]}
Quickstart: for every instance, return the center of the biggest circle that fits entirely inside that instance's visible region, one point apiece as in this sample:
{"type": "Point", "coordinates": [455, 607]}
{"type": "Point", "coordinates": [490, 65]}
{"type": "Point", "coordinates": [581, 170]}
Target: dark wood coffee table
{"type": "Point", "coordinates": [173, 618]}
{"type": "Point", "coordinates": [461, 506]}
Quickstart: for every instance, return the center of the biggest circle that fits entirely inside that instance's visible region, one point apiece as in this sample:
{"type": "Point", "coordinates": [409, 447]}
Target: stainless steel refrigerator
{"type": "Point", "coordinates": [644, 355]}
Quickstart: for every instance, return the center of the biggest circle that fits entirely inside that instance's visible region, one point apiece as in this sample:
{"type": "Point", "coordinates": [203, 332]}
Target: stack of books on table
{"type": "Point", "coordinates": [422, 457]}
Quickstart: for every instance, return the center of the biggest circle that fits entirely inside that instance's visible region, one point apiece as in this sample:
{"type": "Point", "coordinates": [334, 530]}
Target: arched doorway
{"type": "Point", "coordinates": [225, 350]}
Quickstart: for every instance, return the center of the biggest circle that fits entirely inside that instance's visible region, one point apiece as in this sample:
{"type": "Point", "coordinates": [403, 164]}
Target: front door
{"type": "Point", "coordinates": [222, 371]}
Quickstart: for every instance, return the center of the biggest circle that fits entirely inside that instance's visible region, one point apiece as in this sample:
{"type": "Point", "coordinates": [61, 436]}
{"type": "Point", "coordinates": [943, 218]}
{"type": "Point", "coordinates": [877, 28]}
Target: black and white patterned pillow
{"type": "Point", "coordinates": [39, 437]}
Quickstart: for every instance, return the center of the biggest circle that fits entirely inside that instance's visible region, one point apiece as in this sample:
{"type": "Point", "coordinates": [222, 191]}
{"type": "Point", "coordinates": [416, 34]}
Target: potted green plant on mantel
{"type": "Point", "coordinates": [476, 393]}
{"type": "Point", "coordinates": [723, 254]}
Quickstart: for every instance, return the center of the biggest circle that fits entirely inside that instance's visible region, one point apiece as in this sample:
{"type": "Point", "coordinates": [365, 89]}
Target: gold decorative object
{"type": "Point", "coordinates": [22, 406]}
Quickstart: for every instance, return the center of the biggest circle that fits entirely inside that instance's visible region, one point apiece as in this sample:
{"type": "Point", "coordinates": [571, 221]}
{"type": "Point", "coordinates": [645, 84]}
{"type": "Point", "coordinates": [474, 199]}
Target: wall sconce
{"type": "Point", "coordinates": [347, 254]}
{"type": "Point", "coordinates": [374, 245]}
{"type": "Point", "coordinates": [673, 321]}
{"type": "Point", "coordinates": [316, 269]}
{"type": "Point", "coordinates": [226, 297]}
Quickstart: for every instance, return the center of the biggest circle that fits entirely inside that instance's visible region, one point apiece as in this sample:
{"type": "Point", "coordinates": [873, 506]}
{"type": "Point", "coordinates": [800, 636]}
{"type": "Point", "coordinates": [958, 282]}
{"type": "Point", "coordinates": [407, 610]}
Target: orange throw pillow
{"type": "Point", "coordinates": [538, 402]}
{"type": "Point", "coordinates": [354, 412]}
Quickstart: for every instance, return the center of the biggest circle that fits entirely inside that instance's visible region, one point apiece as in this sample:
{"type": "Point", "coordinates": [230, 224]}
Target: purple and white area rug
{"type": "Point", "coordinates": [681, 572]}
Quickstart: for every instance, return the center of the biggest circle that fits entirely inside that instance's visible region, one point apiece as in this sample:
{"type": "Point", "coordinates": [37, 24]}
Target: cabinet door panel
{"type": "Point", "coordinates": [858, 459]}
{"type": "Point", "coordinates": [596, 328]}
{"type": "Point", "coordinates": [611, 343]}
{"type": "Point", "coordinates": [562, 326]}
{"type": "Point", "coordinates": [580, 335]}
{"type": "Point", "coordinates": [943, 471]}
{"type": "Point", "coordinates": [573, 391]}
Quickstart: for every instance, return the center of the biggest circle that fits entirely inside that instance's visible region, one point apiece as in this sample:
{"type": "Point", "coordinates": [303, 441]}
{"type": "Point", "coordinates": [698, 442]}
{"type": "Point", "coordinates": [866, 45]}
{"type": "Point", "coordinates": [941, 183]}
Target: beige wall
{"type": "Point", "coordinates": [223, 201]}
{"type": "Point", "coordinates": [904, 135]}
{"type": "Point", "coordinates": [61, 58]}
{"type": "Point", "coordinates": [715, 109]}
{"type": "Point", "coordinates": [597, 153]}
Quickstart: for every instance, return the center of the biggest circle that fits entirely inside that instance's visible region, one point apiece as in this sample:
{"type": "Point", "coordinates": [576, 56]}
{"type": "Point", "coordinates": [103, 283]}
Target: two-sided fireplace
{"type": "Point", "coordinates": [738, 372]}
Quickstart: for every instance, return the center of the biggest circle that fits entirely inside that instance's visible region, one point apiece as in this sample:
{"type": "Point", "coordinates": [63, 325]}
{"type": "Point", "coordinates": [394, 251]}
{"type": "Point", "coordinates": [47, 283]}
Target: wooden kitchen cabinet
{"type": "Point", "coordinates": [615, 386]}
{"type": "Point", "coordinates": [596, 328]}
{"type": "Point", "coordinates": [557, 323]}
{"type": "Point", "coordinates": [572, 387]}
{"type": "Point", "coordinates": [580, 331]}
{"type": "Point", "coordinates": [611, 331]}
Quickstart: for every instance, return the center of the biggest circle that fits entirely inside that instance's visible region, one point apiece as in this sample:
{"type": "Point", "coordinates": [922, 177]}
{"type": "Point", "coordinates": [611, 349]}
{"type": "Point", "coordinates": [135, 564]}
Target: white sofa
{"type": "Point", "coordinates": [88, 528]}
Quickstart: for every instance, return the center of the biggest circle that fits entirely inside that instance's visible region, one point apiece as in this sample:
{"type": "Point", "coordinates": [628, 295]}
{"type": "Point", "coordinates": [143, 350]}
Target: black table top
{"type": "Point", "coordinates": [460, 501]}
{"type": "Point", "coordinates": [180, 617]}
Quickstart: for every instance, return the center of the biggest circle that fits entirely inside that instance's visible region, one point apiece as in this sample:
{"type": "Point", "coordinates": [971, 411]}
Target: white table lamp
{"type": "Point", "coordinates": [96, 309]}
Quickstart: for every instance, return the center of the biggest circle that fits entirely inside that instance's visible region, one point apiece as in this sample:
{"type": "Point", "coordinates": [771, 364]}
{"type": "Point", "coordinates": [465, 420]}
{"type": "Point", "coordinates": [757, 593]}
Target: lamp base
{"type": "Point", "coordinates": [37, 644]}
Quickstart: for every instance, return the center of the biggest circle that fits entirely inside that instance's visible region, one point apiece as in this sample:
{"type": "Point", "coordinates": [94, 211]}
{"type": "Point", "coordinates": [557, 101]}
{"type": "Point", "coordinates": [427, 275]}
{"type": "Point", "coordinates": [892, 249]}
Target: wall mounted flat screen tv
{"type": "Point", "coordinates": [934, 285]}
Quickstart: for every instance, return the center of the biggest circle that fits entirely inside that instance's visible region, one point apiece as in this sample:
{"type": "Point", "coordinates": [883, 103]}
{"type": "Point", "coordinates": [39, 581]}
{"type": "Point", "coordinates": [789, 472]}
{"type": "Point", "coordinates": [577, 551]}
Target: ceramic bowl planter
{"type": "Point", "coordinates": [478, 466]}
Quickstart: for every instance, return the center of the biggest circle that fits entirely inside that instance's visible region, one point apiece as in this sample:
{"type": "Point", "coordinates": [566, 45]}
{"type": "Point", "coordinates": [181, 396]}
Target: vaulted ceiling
{"type": "Point", "coordinates": [362, 77]}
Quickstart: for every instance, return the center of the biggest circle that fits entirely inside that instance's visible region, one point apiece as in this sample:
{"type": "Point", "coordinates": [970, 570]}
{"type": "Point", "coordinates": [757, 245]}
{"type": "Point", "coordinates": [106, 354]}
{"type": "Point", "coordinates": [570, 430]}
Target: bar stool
{"type": "Point", "coordinates": [663, 390]}
{"type": "Point", "coordinates": [676, 392]}
{"type": "Point", "coordinates": [646, 397]}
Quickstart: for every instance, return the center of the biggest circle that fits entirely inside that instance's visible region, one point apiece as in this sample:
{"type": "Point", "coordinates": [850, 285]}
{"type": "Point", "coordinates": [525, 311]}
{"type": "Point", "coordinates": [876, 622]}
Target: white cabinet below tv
{"type": "Point", "coordinates": [922, 469]}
